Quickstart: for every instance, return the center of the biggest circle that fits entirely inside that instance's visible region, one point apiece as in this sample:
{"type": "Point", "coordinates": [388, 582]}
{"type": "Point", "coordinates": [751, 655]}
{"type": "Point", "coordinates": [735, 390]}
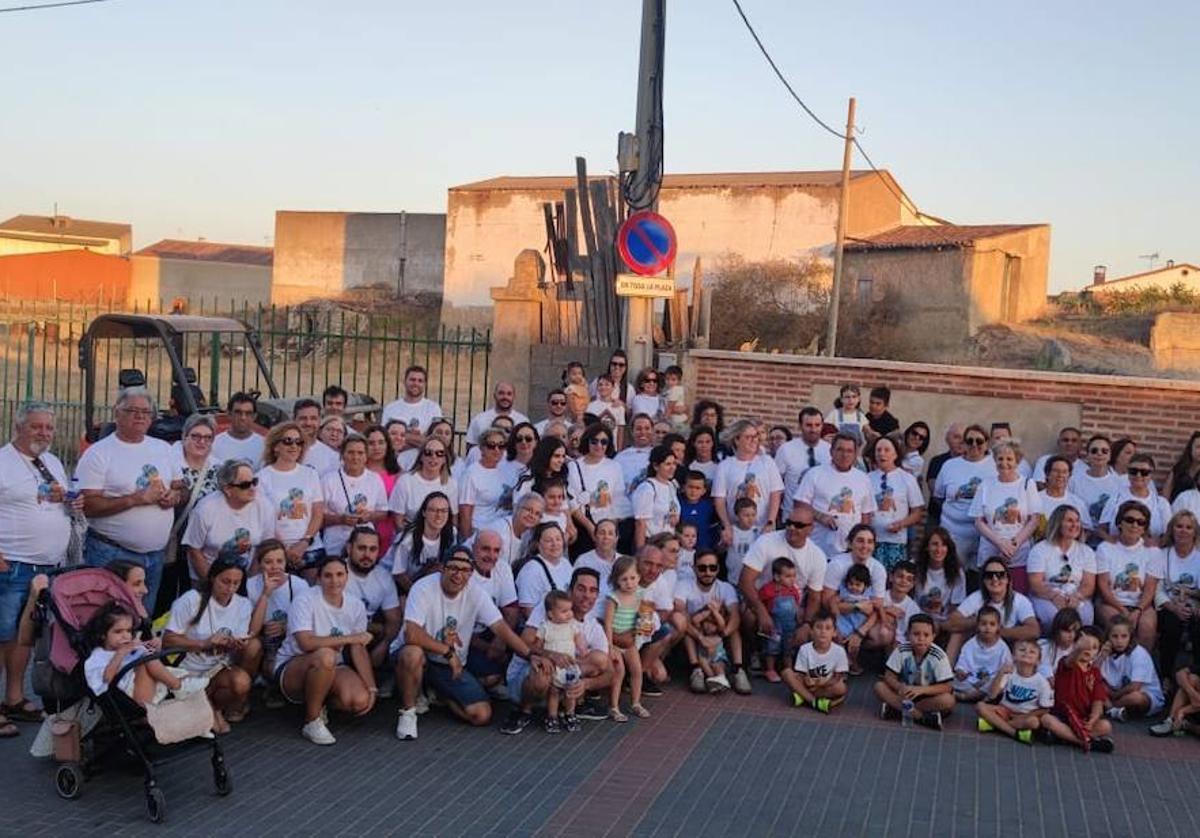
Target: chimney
{"type": "Point", "coordinates": [1170, 263]}
{"type": "Point", "coordinates": [1098, 274]}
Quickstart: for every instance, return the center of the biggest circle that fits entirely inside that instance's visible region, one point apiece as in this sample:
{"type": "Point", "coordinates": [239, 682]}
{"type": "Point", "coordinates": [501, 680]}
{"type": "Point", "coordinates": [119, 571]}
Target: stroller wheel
{"type": "Point", "coordinates": [156, 805]}
{"type": "Point", "coordinates": [222, 780]}
{"type": "Point", "coordinates": [68, 780]}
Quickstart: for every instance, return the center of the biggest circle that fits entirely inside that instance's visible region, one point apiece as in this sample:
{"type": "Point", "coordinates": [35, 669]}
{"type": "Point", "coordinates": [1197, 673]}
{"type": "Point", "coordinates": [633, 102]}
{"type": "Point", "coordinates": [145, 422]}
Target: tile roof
{"type": "Point", "coordinates": [920, 236]}
{"type": "Point", "coordinates": [242, 254]}
{"type": "Point", "coordinates": [829, 177]}
{"type": "Point", "coordinates": [1144, 274]}
{"type": "Point", "coordinates": [44, 225]}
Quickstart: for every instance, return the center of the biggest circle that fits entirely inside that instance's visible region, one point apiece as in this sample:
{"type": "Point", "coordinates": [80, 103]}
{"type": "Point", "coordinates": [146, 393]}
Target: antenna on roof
{"type": "Point", "coordinates": [1150, 258]}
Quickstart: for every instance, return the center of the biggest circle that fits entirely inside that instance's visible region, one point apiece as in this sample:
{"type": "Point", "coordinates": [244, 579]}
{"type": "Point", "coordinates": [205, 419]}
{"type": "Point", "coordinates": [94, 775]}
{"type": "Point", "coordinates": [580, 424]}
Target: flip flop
{"type": "Point", "coordinates": [7, 729]}
{"type": "Point", "coordinates": [23, 712]}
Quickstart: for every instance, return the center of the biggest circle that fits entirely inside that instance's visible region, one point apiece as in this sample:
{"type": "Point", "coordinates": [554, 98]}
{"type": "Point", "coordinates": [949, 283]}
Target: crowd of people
{"type": "Point", "coordinates": [569, 567]}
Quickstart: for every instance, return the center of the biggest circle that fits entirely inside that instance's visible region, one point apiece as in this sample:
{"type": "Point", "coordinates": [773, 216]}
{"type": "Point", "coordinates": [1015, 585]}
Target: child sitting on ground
{"type": "Point", "coordinates": [1133, 686]}
{"type": "Point", "coordinates": [1079, 697]}
{"type": "Point", "coordinates": [621, 629]}
{"type": "Point", "coordinates": [675, 409]}
{"type": "Point", "coordinates": [1064, 631]}
{"type": "Point", "coordinates": [818, 679]}
{"type": "Point", "coordinates": [981, 657]}
{"type": "Point", "coordinates": [781, 597]}
{"type": "Point", "coordinates": [745, 533]}
{"type": "Point", "coordinates": [1024, 696]}
{"type": "Point", "coordinates": [917, 680]}
{"type": "Point", "coordinates": [710, 651]}
{"type": "Point", "coordinates": [110, 632]}
{"type": "Point", "coordinates": [856, 612]}
{"type": "Point", "coordinates": [1185, 707]}
{"type": "Point", "coordinates": [898, 606]}
{"type": "Point", "coordinates": [562, 634]}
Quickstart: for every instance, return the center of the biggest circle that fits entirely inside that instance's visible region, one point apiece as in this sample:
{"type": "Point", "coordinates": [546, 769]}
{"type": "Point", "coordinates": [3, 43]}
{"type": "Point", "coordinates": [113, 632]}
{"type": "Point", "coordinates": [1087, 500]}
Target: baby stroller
{"type": "Point", "coordinates": [61, 615]}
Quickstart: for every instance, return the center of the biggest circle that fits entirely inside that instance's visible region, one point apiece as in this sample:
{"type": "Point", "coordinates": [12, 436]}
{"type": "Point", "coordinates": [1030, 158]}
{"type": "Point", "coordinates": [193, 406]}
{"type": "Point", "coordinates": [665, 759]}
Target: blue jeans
{"type": "Point", "coordinates": [97, 553]}
{"type": "Point", "coordinates": [786, 616]}
{"type": "Point", "coordinates": [14, 589]}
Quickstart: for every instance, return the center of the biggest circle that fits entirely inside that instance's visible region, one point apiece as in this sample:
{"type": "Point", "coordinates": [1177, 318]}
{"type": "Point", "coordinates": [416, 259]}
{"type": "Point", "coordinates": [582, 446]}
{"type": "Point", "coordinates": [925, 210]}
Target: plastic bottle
{"type": "Point", "coordinates": [906, 713]}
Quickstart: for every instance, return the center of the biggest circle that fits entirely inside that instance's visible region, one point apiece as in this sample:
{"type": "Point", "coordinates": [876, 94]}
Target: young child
{"type": "Point", "coordinates": [981, 657]}
{"type": "Point", "coordinates": [554, 490]}
{"type": "Point", "coordinates": [1064, 631]}
{"type": "Point", "coordinates": [675, 408]}
{"type": "Point", "coordinates": [1185, 706]}
{"type": "Point", "coordinates": [562, 634]}
{"type": "Point", "coordinates": [1079, 697]}
{"type": "Point", "coordinates": [1023, 692]}
{"type": "Point", "coordinates": [781, 597]}
{"type": "Point", "coordinates": [646, 398]}
{"type": "Point", "coordinates": [856, 612]}
{"type": "Point", "coordinates": [745, 533]}
{"type": "Point", "coordinates": [696, 508]}
{"type": "Point", "coordinates": [918, 678]}
{"type": "Point", "coordinates": [688, 536]}
{"type": "Point", "coordinates": [898, 606]}
{"type": "Point", "coordinates": [623, 629]}
{"type": "Point", "coordinates": [1133, 686]}
{"type": "Point", "coordinates": [609, 409]}
{"type": "Point", "coordinates": [110, 632]}
{"type": "Point", "coordinates": [818, 679]}
{"type": "Point", "coordinates": [710, 652]}
{"type": "Point", "coordinates": [846, 416]}
{"type": "Point", "coordinates": [576, 387]}
{"type": "Point", "coordinates": [270, 561]}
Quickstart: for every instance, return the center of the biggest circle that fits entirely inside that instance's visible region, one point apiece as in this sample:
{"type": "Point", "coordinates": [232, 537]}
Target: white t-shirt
{"type": "Point", "coordinates": [376, 590]}
{"type": "Point", "coordinates": [119, 468]}
{"type": "Point", "coordinates": [1128, 568]}
{"type": "Point", "coordinates": [214, 527]}
{"type": "Point", "coordinates": [957, 484]}
{"type": "Point", "coordinates": [500, 586]}
{"type": "Point", "coordinates": [292, 495]}
{"type": "Point", "coordinates": [661, 591]}
{"type": "Point", "coordinates": [936, 597]}
{"type": "Point", "coordinates": [1181, 576]}
{"type": "Point", "coordinates": [411, 489]}
{"type": "Point", "coordinates": [792, 461]}
{"type": "Point", "coordinates": [756, 478]}
{"type": "Point", "coordinates": [897, 502]}
{"type": "Point", "coordinates": [512, 547]}
{"type": "Point", "coordinates": [416, 416]}
{"type": "Point", "coordinates": [689, 594]}
{"type": "Point", "coordinates": [1022, 608]}
{"type": "Point", "coordinates": [32, 529]}
{"type": "Point", "coordinates": [835, 575]}
{"type": "Point", "coordinates": [399, 557]}
{"type": "Point", "coordinates": [1006, 507]}
{"type": "Point", "coordinates": [633, 462]}
{"type": "Point", "coordinates": [1051, 655]}
{"type": "Point", "coordinates": [279, 603]}
{"type": "Point", "coordinates": [232, 619]}
{"type": "Point", "coordinates": [480, 422]}
{"type": "Point", "coordinates": [1025, 695]}
{"type": "Point", "coordinates": [739, 546]}
{"type": "Point", "coordinates": [647, 404]}
{"type": "Point", "coordinates": [97, 662]}
{"type": "Point", "coordinates": [810, 560]}
{"type": "Point", "coordinates": [228, 447]}
{"type": "Point", "coordinates": [1094, 491]}
{"type": "Point", "coordinates": [350, 495]}
{"type": "Point", "coordinates": [611, 413]}
{"type": "Point", "coordinates": [323, 458]}
{"type": "Point", "coordinates": [1137, 666]}
{"type": "Point", "coordinates": [311, 612]}
{"type": "Point", "coordinates": [1049, 504]}
{"type": "Point", "coordinates": [907, 607]}
{"type": "Point", "coordinates": [654, 502]}
{"type": "Point", "coordinates": [533, 585]}
{"type": "Point", "coordinates": [603, 567]}
{"type": "Point", "coordinates": [822, 665]}
{"type": "Point", "coordinates": [1064, 572]}
{"type": "Point", "coordinates": [1160, 511]}
{"type": "Point", "coordinates": [488, 491]}
{"type": "Point", "coordinates": [593, 637]}
{"type": "Point", "coordinates": [600, 487]}
{"type": "Point", "coordinates": [846, 495]}
{"type": "Point", "coordinates": [981, 663]}
{"type": "Point", "coordinates": [444, 618]}
{"type": "Point", "coordinates": [1189, 500]}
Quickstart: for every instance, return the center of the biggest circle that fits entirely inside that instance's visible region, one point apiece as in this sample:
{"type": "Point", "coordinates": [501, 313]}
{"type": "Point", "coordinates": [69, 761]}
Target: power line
{"type": "Point", "coordinates": [50, 5]}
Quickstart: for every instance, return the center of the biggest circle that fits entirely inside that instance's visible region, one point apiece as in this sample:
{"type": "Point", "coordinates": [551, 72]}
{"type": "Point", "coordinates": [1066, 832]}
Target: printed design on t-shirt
{"type": "Point", "coordinates": [601, 497]}
{"type": "Point", "coordinates": [1097, 508]}
{"type": "Point", "coordinates": [842, 502]}
{"type": "Point", "coordinates": [749, 487]}
{"type": "Point", "coordinates": [293, 507]}
{"type": "Point", "coordinates": [43, 492]}
{"type": "Point", "coordinates": [1019, 693]}
{"type": "Point", "coordinates": [448, 633]}
{"type": "Point", "coordinates": [983, 674]}
{"type": "Point", "coordinates": [238, 543]}
{"type": "Point", "coordinates": [912, 672]}
{"type": "Point", "coordinates": [931, 600]}
{"type": "Point", "coordinates": [505, 501]}
{"type": "Point", "coordinates": [148, 475]}
{"type": "Point", "coordinates": [414, 424]}
{"type": "Point", "coordinates": [885, 499]}
{"type": "Point", "coordinates": [279, 615]}
{"type": "Point", "coordinates": [967, 490]}
{"type": "Point", "coordinates": [1063, 576]}
{"type": "Point", "coordinates": [1008, 512]}
{"type": "Point", "coordinates": [821, 670]}
{"type": "Point", "coordinates": [1181, 589]}
{"type": "Point", "coordinates": [359, 505]}
{"type": "Point", "coordinates": [335, 632]}
{"type": "Point", "coordinates": [1129, 580]}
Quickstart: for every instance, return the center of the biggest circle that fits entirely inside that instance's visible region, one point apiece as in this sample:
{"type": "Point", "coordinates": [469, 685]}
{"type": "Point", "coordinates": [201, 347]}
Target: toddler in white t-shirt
{"type": "Point", "coordinates": [562, 634]}
{"type": "Point", "coordinates": [1024, 695]}
{"type": "Point", "coordinates": [981, 657]}
{"type": "Point", "coordinates": [745, 533]}
{"type": "Point", "coordinates": [114, 645]}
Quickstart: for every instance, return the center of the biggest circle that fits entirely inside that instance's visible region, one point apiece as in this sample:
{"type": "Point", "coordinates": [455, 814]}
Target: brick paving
{"type": "Point", "coordinates": [699, 766]}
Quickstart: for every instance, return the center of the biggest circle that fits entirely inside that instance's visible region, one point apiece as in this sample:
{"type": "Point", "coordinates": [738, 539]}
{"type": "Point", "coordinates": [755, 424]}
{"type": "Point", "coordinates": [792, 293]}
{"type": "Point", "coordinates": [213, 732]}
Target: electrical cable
{"type": "Point", "coordinates": [60, 4]}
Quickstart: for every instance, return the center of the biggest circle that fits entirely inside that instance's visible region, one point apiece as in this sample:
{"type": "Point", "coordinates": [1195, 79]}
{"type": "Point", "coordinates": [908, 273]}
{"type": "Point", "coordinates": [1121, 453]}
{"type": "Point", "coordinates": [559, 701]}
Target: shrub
{"type": "Point", "coordinates": [780, 304]}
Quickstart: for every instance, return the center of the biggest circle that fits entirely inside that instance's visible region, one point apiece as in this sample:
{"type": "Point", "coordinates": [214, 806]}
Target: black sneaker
{"type": "Point", "coordinates": [651, 689]}
{"type": "Point", "coordinates": [552, 725]}
{"type": "Point", "coordinates": [592, 709]}
{"type": "Point", "coordinates": [931, 720]}
{"type": "Point", "coordinates": [887, 712]}
{"type": "Point", "coordinates": [1103, 745]}
{"type": "Point", "coordinates": [570, 723]}
{"type": "Point", "coordinates": [516, 722]}
{"type": "Point", "coordinates": [1046, 736]}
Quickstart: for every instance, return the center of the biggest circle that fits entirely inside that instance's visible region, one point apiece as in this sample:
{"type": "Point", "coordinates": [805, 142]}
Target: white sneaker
{"type": "Point", "coordinates": [316, 732]}
{"type": "Point", "coordinates": [1117, 714]}
{"type": "Point", "coordinates": [421, 707]}
{"type": "Point", "coordinates": [406, 725]}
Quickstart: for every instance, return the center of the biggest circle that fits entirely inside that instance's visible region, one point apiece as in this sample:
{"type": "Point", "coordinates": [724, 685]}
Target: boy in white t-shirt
{"type": "Point", "coordinates": [1024, 694]}
{"type": "Point", "coordinates": [745, 533]}
{"type": "Point", "coordinates": [981, 657]}
{"type": "Point", "coordinates": [819, 677]}
{"type": "Point", "coordinates": [898, 605]}
{"type": "Point", "coordinates": [917, 680]}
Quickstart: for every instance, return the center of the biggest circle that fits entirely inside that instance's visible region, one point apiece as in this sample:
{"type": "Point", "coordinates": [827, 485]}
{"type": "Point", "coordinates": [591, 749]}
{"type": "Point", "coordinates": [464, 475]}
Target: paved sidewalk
{"type": "Point", "coordinates": [700, 766]}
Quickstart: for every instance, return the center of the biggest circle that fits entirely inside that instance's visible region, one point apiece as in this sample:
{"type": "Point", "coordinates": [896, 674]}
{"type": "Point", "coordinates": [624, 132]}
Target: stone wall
{"type": "Point", "coordinates": [1175, 341]}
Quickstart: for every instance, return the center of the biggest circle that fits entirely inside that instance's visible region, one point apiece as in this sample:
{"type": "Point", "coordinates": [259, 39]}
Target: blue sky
{"type": "Point", "coordinates": [202, 117]}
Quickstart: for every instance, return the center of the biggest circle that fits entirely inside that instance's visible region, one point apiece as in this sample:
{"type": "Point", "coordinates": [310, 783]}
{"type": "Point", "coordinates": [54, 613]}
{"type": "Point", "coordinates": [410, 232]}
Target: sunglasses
{"type": "Point", "coordinates": [799, 525]}
{"type": "Point", "coordinates": [918, 435]}
{"type": "Point", "coordinates": [706, 568]}
{"type": "Point", "coordinates": [433, 453]}
{"type": "Point", "coordinates": [558, 402]}
{"type": "Point", "coordinates": [1097, 450]}
{"type": "Point", "coordinates": [291, 440]}
{"type": "Point", "coordinates": [493, 446]}
{"type": "Point", "coordinates": [976, 440]}
{"type": "Point", "coordinates": [598, 440]}
{"type": "Point", "coordinates": [616, 363]}
{"type": "Point", "coordinates": [1139, 472]}
{"type": "Point", "coordinates": [1137, 522]}
{"type": "Point", "coordinates": [246, 484]}
{"type": "Point", "coordinates": [995, 574]}
{"type": "Point", "coordinates": [526, 438]}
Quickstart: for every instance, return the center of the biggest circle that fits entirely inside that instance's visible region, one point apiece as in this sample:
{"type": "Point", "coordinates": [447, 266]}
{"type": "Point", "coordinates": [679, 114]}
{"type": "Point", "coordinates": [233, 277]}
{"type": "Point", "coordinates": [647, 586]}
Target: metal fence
{"type": "Point", "coordinates": [306, 348]}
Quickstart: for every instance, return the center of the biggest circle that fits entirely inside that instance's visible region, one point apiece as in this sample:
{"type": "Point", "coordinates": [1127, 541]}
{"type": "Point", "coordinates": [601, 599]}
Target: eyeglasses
{"type": "Point", "coordinates": [525, 438]}
{"type": "Point", "coordinates": [205, 438]}
{"type": "Point", "coordinates": [493, 446]}
{"type": "Point", "coordinates": [456, 569]}
{"type": "Point", "coordinates": [799, 525]}
{"type": "Point", "coordinates": [975, 440]}
{"type": "Point", "coordinates": [1097, 450]}
{"type": "Point", "coordinates": [1139, 472]}
{"type": "Point", "coordinates": [246, 484]}
{"type": "Point", "coordinates": [291, 440]}
{"type": "Point", "coordinates": [431, 453]}
{"type": "Point", "coordinates": [995, 574]}
{"type": "Point", "coordinates": [706, 568]}
{"type": "Point", "coordinates": [139, 412]}
{"type": "Point", "coordinates": [1137, 522]}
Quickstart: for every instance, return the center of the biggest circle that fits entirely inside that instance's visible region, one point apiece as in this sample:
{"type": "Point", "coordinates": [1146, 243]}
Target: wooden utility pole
{"type": "Point", "coordinates": [835, 291]}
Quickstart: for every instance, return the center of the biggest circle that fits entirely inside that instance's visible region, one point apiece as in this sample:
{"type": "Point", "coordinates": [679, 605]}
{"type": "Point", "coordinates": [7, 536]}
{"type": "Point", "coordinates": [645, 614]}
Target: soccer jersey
{"type": "Point", "coordinates": [933, 668]}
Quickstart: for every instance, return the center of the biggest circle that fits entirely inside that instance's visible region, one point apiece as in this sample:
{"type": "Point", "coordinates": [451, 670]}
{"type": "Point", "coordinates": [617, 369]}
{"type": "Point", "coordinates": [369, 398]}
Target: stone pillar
{"type": "Point", "coordinates": [516, 318]}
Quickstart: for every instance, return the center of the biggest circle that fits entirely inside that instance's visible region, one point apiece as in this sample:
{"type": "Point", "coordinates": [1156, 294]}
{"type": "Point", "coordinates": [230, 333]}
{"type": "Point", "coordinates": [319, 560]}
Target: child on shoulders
{"type": "Point", "coordinates": [917, 680]}
{"type": "Point", "coordinates": [818, 679]}
{"type": "Point", "coordinates": [675, 409]}
{"type": "Point", "coordinates": [1024, 696]}
{"type": "Point", "coordinates": [981, 658]}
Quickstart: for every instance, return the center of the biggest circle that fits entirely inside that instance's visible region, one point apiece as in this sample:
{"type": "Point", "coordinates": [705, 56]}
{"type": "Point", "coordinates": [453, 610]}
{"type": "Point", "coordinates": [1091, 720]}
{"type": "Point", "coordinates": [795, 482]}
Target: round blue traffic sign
{"type": "Point", "coordinates": [646, 241]}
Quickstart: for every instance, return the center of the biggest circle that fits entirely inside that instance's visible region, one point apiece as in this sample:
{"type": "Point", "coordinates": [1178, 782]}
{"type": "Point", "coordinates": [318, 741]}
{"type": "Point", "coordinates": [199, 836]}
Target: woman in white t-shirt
{"type": "Point", "coordinates": [483, 494]}
{"type": "Point", "coordinates": [1005, 510]}
{"type": "Point", "coordinates": [1062, 569]}
{"type": "Point", "coordinates": [547, 568]}
{"type": "Point", "coordinates": [957, 484]}
{"type": "Point", "coordinates": [219, 629]}
{"type": "Point", "coordinates": [597, 486]}
{"type": "Point", "coordinates": [646, 399]}
{"type": "Point", "coordinates": [420, 547]}
{"type": "Point", "coordinates": [324, 658]}
{"type": "Point", "coordinates": [1178, 598]}
{"type": "Point", "coordinates": [294, 491]}
{"type": "Point", "coordinates": [1097, 484]}
{"type": "Point", "coordinates": [430, 473]}
{"type": "Point", "coordinates": [703, 452]}
{"type": "Point", "coordinates": [749, 473]}
{"type": "Point", "coordinates": [899, 503]}
{"type": "Point", "coordinates": [231, 521]}
{"type": "Point", "coordinates": [1128, 573]}
{"type": "Point", "coordinates": [655, 507]}
{"type": "Point", "coordinates": [941, 582]}
{"type": "Point", "coordinates": [1141, 489]}
{"type": "Point", "coordinates": [1018, 620]}
{"type": "Point", "coordinates": [354, 495]}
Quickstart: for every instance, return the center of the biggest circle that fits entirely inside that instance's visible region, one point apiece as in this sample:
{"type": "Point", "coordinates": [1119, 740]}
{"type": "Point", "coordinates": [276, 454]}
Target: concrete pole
{"type": "Point", "coordinates": [835, 290]}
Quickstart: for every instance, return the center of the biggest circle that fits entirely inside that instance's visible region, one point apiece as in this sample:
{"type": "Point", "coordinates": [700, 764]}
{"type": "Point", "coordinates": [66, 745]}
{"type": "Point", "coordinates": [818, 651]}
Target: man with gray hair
{"type": "Point", "coordinates": [35, 529]}
{"type": "Point", "coordinates": [130, 484]}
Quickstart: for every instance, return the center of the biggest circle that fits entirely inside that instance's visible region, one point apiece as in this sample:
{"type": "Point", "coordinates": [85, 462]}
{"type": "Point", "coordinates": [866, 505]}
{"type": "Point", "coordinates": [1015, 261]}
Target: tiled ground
{"type": "Point", "coordinates": [699, 766]}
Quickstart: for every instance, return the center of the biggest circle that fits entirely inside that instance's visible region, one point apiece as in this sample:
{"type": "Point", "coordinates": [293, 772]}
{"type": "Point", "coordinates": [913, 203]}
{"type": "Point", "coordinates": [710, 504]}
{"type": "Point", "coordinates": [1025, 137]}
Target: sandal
{"type": "Point", "coordinates": [640, 711]}
{"type": "Point", "coordinates": [7, 729]}
{"type": "Point", "coordinates": [617, 716]}
{"type": "Point", "coordinates": [23, 712]}
{"type": "Point", "coordinates": [237, 715]}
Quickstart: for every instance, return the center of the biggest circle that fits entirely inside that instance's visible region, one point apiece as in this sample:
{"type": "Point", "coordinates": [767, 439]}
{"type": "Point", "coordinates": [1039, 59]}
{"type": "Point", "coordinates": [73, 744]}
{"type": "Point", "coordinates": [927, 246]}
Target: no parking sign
{"type": "Point", "coordinates": [646, 241]}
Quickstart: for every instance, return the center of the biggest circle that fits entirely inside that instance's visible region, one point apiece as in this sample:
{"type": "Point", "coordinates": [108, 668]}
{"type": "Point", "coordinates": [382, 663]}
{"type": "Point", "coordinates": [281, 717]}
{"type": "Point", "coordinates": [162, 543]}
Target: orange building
{"type": "Point", "coordinates": [77, 276]}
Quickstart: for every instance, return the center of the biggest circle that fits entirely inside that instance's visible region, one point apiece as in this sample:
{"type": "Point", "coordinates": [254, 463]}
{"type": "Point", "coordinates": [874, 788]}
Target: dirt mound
{"type": "Point", "coordinates": [1045, 347]}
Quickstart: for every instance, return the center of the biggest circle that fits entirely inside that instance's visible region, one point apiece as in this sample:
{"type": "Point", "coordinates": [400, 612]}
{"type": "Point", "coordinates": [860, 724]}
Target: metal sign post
{"type": "Point", "coordinates": [647, 244]}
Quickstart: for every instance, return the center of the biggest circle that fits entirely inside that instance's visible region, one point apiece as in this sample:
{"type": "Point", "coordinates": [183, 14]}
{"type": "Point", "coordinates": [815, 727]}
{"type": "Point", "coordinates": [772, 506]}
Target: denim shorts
{"type": "Point", "coordinates": [14, 589]}
{"type": "Point", "coordinates": [463, 691]}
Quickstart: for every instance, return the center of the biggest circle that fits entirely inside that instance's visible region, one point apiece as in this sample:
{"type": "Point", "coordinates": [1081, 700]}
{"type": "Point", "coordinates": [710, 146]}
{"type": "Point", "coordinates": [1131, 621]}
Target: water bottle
{"type": "Point", "coordinates": [73, 490]}
{"type": "Point", "coordinates": [906, 713]}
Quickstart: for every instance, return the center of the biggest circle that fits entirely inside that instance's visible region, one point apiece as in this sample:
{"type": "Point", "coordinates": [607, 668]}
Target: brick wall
{"type": "Point", "coordinates": [1159, 414]}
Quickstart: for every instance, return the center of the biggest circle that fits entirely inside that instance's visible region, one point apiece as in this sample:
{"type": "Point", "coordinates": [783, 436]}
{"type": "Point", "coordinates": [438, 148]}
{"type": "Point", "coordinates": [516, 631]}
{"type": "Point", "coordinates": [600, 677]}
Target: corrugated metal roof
{"type": "Point", "coordinates": [242, 254]}
{"type": "Point", "coordinates": [917, 237]}
{"type": "Point", "coordinates": [47, 225]}
{"type": "Point", "coordinates": [830, 177]}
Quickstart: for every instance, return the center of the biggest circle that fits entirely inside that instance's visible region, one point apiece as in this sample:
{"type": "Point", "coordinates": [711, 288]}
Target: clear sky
{"type": "Point", "coordinates": [195, 118]}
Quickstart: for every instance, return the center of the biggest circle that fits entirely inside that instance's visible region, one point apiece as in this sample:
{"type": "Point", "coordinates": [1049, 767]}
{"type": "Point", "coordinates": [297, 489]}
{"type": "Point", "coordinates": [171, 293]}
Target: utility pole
{"type": "Point", "coordinates": [835, 291]}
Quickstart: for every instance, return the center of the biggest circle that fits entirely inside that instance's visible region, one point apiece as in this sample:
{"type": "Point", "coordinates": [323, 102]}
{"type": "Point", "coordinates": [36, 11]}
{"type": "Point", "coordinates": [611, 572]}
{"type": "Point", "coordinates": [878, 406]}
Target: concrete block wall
{"type": "Point", "coordinates": [546, 364]}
